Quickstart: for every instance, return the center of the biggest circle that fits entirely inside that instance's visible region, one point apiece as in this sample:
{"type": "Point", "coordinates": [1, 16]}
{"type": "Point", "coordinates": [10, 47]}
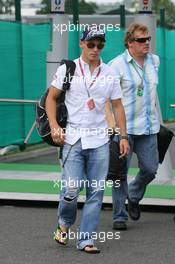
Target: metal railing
{"type": "Point", "coordinates": [21, 101]}
{"type": "Point", "coordinates": [5, 100]}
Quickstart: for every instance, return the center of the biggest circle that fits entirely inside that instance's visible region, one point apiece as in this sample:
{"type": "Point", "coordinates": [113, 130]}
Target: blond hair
{"type": "Point", "coordinates": [129, 36]}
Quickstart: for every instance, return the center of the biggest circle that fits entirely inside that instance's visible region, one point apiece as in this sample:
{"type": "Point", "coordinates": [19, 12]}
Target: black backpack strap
{"type": "Point", "coordinates": [70, 69]}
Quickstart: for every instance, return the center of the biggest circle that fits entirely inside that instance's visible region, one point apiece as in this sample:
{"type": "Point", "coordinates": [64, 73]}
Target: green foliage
{"type": "Point", "coordinates": [87, 8]}
{"type": "Point", "coordinates": [169, 9]}
{"type": "Point", "coordinates": [6, 6]}
{"type": "Point", "coordinates": [84, 8]}
{"type": "Point", "coordinates": [46, 9]}
{"type": "Point", "coordinates": [168, 5]}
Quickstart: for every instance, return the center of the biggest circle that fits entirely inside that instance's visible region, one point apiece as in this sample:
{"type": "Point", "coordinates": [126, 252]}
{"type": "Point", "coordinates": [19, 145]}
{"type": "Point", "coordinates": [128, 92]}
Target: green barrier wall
{"type": "Point", "coordinates": [22, 76]}
{"type": "Point", "coordinates": [165, 41]}
{"type": "Point", "coordinates": [23, 51]}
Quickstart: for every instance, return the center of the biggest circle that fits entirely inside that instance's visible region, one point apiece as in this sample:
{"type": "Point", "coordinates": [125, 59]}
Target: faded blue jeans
{"type": "Point", "coordinates": [145, 147]}
{"type": "Point", "coordinates": [83, 168]}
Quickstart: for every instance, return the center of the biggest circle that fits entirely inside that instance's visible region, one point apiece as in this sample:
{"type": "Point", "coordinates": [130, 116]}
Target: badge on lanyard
{"type": "Point", "coordinates": [90, 104]}
{"type": "Point", "coordinates": [140, 90]}
{"type": "Point", "coordinates": [140, 87]}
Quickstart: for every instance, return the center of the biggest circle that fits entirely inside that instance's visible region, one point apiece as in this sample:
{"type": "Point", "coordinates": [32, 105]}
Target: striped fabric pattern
{"type": "Point", "coordinates": [141, 113]}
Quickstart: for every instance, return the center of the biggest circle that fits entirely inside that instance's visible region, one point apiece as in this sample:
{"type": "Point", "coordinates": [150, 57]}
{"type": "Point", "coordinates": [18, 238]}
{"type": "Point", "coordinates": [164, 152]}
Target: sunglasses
{"type": "Point", "coordinates": [92, 45]}
{"type": "Point", "coordinates": [142, 40]}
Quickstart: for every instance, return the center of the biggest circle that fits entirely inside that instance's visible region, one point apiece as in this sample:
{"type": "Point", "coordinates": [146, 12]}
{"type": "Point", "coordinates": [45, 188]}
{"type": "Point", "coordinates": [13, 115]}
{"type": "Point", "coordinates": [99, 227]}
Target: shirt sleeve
{"type": "Point", "coordinates": [116, 67]}
{"type": "Point", "coordinates": [156, 61]}
{"type": "Point", "coordinates": [59, 76]}
{"type": "Point", "coordinates": [116, 90]}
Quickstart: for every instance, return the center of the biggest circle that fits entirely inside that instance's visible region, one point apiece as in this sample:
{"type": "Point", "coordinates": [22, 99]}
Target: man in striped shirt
{"type": "Point", "coordinates": [137, 71]}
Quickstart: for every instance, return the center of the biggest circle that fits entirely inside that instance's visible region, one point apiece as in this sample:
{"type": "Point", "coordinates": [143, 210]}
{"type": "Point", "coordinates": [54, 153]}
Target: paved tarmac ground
{"type": "Point", "coordinates": [26, 238]}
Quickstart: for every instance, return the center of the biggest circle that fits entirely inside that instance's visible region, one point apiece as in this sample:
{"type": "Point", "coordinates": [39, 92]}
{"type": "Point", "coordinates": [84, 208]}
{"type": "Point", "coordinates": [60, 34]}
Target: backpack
{"type": "Point", "coordinates": [42, 122]}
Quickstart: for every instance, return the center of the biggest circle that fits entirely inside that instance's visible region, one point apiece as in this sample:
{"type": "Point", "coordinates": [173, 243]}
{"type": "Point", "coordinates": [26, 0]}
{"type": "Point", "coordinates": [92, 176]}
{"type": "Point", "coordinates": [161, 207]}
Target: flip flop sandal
{"type": "Point", "coordinates": [91, 251]}
{"type": "Point", "coordinates": [61, 237]}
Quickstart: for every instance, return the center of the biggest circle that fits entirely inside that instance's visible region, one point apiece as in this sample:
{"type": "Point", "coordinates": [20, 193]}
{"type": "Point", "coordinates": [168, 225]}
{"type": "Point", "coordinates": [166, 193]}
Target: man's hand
{"type": "Point", "coordinates": [124, 147]}
{"type": "Point", "coordinates": [58, 135]}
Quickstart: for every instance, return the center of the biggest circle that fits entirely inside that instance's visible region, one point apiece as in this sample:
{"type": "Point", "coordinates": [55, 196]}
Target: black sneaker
{"type": "Point", "coordinates": [119, 225]}
{"type": "Point", "coordinates": [133, 210]}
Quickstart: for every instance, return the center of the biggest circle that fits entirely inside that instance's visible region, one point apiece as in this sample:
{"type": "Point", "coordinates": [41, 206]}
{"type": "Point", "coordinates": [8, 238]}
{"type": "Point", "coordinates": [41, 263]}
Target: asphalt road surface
{"type": "Point", "coordinates": [26, 238]}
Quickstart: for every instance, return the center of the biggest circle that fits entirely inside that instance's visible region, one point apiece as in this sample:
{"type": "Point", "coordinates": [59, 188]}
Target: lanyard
{"type": "Point", "coordinates": [93, 81]}
{"type": "Point", "coordinates": [141, 77]}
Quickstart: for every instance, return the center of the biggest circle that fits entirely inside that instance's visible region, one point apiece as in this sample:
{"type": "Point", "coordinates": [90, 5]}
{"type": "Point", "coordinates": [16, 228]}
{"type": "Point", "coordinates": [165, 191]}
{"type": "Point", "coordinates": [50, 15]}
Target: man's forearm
{"type": "Point", "coordinates": [57, 133]}
{"type": "Point", "coordinates": [51, 106]}
{"type": "Point", "coordinates": [120, 119]}
{"type": "Point", "coordinates": [51, 110]}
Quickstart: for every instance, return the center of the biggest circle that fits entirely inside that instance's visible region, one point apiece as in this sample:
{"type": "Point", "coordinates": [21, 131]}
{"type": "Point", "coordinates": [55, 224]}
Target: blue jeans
{"type": "Point", "coordinates": [87, 168]}
{"type": "Point", "coordinates": [145, 147]}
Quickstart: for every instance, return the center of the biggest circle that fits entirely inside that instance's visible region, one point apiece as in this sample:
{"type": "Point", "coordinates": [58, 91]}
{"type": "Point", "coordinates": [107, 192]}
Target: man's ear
{"type": "Point", "coordinates": [81, 43]}
{"type": "Point", "coordinates": [129, 43]}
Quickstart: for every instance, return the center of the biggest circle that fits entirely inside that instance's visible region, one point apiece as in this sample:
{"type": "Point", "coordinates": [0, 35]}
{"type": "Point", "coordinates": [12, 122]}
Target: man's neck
{"type": "Point", "coordinates": [93, 64]}
{"type": "Point", "coordinates": [138, 58]}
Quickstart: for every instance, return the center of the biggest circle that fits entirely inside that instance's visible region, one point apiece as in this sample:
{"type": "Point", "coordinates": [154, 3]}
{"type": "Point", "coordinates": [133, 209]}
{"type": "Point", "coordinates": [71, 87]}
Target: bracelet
{"type": "Point", "coordinates": [123, 137]}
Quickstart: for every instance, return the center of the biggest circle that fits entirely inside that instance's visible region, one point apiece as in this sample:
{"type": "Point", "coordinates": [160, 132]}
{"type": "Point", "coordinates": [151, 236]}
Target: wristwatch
{"type": "Point", "coordinates": [123, 137]}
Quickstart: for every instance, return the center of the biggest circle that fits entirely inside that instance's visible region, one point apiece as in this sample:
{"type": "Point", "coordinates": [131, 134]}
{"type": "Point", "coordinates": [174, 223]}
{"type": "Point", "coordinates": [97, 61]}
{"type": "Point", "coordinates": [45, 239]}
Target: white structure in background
{"type": "Point", "coordinates": [146, 17]}
{"type": "Point", "coordinates": [59, 45]}
{"type": "Point", "coordinates": [58, 6]}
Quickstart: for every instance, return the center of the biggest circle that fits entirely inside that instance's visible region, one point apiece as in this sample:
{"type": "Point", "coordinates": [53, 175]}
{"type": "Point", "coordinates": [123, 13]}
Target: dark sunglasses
{"type": "Point", "coordinates": [142, 40]}
{"type": "Point", "coordinates": [92, 45]}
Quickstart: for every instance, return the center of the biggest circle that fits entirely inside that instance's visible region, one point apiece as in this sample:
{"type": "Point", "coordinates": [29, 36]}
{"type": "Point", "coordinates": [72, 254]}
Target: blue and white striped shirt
{"type": "Point", "coordinates": [141, 113]}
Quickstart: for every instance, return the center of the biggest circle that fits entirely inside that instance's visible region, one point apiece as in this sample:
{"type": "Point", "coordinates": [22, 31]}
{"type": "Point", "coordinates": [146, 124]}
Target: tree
{"type": "Point", "coordinates": [168, 5]}
{"type": "Point", "coordinates": [6, 6]}
{"type": "Point", "coordinates": [169, 9]}
{"type": "Point", "coordinates": [84, 8]}
{"type": "Point", "coordinates": [87, 8]}
{"type": "Point", "coordinates": [46, 7]}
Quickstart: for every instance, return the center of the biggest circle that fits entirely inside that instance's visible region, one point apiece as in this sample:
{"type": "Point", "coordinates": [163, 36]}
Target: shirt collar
{"type": "Point", "coordinates": [84, 64]}
{"type": "Point", "coordinates": [129, 58]}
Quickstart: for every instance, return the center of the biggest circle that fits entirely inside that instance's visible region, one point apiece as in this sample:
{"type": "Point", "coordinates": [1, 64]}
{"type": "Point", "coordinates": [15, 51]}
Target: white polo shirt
{"type": "Point", "coordinates": [89, 125]}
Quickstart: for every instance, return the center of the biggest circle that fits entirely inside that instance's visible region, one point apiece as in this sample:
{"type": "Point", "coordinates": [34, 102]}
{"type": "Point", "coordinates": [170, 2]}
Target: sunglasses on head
{"type": "Point", "coordinates": [142, 40]}
{"type": "Point", "coordinates": [92, 45]}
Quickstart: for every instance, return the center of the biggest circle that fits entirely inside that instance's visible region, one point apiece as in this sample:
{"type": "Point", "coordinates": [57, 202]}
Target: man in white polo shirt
{"type": "Point", "coordinates": [85, 142]}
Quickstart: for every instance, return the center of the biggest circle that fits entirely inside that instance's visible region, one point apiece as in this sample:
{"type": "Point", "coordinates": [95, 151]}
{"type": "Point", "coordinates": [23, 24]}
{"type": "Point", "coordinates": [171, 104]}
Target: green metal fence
{"type": "Point", "coordinates": [23, 51]}
{"type": "Point", "coordinates": [22, 76]}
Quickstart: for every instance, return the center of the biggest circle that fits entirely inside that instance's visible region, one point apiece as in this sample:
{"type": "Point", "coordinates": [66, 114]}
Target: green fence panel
{"type": "Point", "coordinates": [23, 50]}
{"type": "Point", "coordinates": [36, 40]}
{"type": "Point", "coordinates": [73, 45]}
{"type": "Point", "coordinates": [22, 76]}
{"type": "Point", "coordinates": [113, 46]}
{"type": "Point", "coordinates": [11, 116]}
{"type": "Point", "coordinates": [165, 40]}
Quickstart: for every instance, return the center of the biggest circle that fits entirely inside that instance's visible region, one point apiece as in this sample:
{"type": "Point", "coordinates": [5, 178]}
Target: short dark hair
{"type": "Point", "coordinates": [129, 36]}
